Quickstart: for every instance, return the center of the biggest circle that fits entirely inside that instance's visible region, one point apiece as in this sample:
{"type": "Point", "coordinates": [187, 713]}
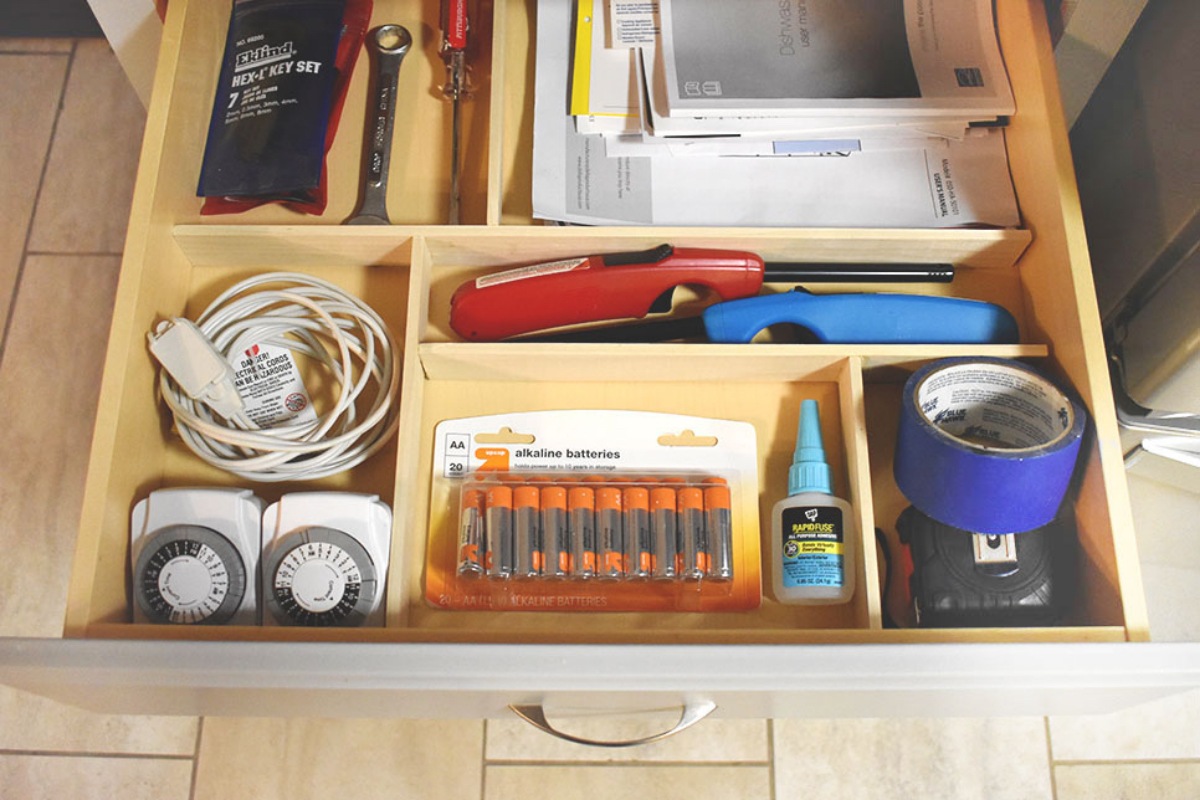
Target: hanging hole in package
{"type": "Point", "coordinates": [594, 510]}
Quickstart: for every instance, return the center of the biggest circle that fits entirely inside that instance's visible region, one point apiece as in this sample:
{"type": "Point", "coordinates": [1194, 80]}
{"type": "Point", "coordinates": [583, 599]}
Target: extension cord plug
{"type": "Point", "coordinates": [196, 365]}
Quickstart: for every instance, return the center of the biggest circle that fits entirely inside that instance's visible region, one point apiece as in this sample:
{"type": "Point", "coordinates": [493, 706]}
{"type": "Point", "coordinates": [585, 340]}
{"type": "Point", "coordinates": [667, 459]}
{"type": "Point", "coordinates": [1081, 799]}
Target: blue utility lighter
{"type": "Point", "coordinates": [830, 318]}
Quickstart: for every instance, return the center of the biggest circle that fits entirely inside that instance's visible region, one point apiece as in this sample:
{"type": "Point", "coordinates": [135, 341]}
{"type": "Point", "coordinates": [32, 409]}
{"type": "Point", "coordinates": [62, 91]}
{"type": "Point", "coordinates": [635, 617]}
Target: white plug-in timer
{"type": "Point", "coordinates": [325, 559]}
{"type": "Point", "coordinates": [194, 554]}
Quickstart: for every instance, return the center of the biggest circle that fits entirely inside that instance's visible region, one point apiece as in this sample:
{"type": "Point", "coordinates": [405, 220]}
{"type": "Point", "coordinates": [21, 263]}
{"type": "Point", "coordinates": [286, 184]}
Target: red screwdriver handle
{"type": "Point", "coordinates": [595, 288]}
{"type": "Point", "coordinates": [454, 24]}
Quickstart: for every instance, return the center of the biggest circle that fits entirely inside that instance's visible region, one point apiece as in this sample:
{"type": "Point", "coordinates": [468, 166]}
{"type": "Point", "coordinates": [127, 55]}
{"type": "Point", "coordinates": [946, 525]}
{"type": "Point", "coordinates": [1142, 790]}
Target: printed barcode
{"type": "Point", "coordinates": [969, 76]}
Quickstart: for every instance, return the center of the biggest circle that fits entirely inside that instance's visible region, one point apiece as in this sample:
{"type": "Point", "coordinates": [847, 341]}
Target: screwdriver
{"type": "Point", "coordinates": [632, 285]}
{"type": "Point", "coordinates": [454, 47]}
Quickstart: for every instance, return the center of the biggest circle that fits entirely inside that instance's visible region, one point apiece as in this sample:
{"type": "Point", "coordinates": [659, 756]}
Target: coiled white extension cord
{"type": "Point", "coordinates": [310, 317]}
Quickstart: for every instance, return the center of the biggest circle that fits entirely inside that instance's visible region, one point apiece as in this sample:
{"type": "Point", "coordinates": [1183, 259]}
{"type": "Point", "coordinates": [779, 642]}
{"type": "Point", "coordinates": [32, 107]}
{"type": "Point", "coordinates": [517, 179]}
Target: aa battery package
{"type": "Point", "coordinates": [594, 511]}
{"type": "Point", "coordinates": [286, 67]}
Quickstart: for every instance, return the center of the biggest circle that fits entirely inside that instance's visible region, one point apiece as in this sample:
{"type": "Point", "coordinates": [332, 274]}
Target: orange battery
{"type": "Point", "coordinates": [581, 518]}
{"type": "Point", "coordinates": [470, 534]}
{"type": "Point", "coordinates": [719, 530]}
{"type": "Point", "coordinates": [499, 496]}
{"type": "Point", "coordinates": [693, 556]}
{"type": "Point", "coordinates": [498, 531]}
{"type": "Point", "coordinates": [527, 550]}
{"type": "Point", "coordinates": [555, 541]}
{"type": "Point", "coordinates": [526, 497]}
{"type": "Point", "coordinates": [663, 533]}
{"type": "Point", "coordinates": [609, 526]}
{"type": "Point", "coordinates": [639, 558]}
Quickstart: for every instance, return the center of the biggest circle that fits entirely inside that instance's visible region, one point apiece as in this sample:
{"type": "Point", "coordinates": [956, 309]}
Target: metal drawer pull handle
{"type": "Point", "coordinates": [535, 715]}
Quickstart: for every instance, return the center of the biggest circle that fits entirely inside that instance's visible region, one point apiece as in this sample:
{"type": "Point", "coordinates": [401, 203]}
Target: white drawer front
{"type": "Point", "coordinates": [437, 680]}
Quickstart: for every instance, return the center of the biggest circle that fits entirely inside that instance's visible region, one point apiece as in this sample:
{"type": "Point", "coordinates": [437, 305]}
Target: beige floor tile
{"type": "Point", "coordinates": [81, 778]}
{"type": "Point", "coordinates": [84, 206]}
{"type": "Point", "coordinates": [17, 44]}
{"type": "Point", "coordinates": [933, 759]}
{"type": "Point", "coordinates": [1127, 781]}
{"type": "Point", "coordinates": [49, 383]}
{"type": "Point", "coordinates": [602, 783]}
{"type": "Point", "coordinates": [1172, 601]}
{"type": "Point", "coordinates": [1167, 728]}
{"type": "Point", "coordinates": [1163, 516]}
{"type": "Point", "coordinates": [322, 758]}
{"type": "Point", "coordinates": [710, 740]}
{"type": "Point", "coordinates": [29, 722]}
{"type": "Point", "coordinates": [29, 91]}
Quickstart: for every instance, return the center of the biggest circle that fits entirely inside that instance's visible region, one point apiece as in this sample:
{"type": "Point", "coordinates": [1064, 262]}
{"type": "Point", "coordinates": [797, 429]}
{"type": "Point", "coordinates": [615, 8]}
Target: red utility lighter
{"type": "Point", "coordinates": [593, 288]}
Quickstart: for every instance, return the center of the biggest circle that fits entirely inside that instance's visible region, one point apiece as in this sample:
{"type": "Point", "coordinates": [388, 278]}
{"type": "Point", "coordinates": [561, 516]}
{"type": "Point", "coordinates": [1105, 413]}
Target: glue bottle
{"type": "Point", "coordinates": [812, 532]}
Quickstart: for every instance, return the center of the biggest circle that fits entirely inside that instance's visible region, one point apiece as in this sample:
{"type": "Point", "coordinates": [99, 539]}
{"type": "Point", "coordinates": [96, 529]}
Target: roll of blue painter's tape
{"type": "Point", "coordinates": [986, 444]}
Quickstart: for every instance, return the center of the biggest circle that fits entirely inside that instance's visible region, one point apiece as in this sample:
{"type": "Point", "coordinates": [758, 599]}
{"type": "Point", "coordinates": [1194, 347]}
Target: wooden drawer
{"type": "Point", "coordinates": [432, 662]}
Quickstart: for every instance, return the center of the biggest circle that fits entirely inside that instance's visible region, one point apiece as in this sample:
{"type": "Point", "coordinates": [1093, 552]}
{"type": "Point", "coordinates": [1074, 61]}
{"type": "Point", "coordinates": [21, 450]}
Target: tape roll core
{"type": "Point", "coordinates": [986, 445]}
{"type": "Point", "coordinates": [1031, 415]}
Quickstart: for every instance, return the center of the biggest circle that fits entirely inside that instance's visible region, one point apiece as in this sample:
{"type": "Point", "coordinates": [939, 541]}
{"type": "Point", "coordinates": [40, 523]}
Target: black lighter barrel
{"type": "Point", "coordinates": [661, 330]}
{"type": "Point", "coordinates": [801, 272]}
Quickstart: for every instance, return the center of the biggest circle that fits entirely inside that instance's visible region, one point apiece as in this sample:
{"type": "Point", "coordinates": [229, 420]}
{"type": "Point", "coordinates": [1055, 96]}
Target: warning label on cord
{"type": "Point", "coordinates": [270, 385]}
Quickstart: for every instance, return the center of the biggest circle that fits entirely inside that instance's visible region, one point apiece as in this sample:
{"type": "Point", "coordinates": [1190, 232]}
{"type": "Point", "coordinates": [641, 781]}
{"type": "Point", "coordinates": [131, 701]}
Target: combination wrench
{"type": "Point", "coordinates": [390, 43]}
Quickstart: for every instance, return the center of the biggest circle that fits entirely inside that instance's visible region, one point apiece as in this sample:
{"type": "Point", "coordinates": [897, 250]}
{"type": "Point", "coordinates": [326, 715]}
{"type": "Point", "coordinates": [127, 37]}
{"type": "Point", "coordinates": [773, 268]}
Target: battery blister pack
{"type": "Point", "coordinates": [594, 511]}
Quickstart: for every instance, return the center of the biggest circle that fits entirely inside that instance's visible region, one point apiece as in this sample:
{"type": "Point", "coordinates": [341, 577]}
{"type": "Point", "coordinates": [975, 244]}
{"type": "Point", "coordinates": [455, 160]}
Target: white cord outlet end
{"type": "Point", "coordinates": [196, 365]}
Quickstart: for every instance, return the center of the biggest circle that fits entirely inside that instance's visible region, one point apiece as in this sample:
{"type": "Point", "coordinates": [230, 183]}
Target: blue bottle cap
{"type": "Point", "coordinates": [809, 472]}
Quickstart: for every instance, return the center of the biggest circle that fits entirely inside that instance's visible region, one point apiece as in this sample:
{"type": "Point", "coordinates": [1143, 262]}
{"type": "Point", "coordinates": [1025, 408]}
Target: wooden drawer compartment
{"type": "Point", "coordinates": [176, 260]}
{"type": "Point", "coordinates": [145, 454]}
{"type": "Point", "coordinates": [410, 284]}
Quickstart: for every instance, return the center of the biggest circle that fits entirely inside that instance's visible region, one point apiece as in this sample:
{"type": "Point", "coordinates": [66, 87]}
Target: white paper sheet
{"type": "Point", "coordinates": [638, 145]}
{"type": "Point", "coordinates": [635, 144]}
{"type": "Point", "coordinates": [632, 23]}
{"type": "Point", "coordinates": [654, 120]}
{"type": "Point", "coordinates": [606, 90]}
{"type": "Point", "coordinates": [573, 179]}
{"type": "Point", "coordinates": [609, 125]}
{"type": "Point", "coordinates": [833, 57]}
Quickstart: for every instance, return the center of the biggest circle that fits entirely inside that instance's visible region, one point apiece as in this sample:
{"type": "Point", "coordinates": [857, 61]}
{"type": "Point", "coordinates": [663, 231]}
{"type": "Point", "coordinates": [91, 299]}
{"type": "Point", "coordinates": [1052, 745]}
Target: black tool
{"type": "Point", "coordinates": [961, 579]}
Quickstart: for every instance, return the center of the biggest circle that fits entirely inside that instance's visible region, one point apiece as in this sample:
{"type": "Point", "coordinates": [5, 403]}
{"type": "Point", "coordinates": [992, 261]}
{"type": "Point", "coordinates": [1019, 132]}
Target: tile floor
{"type": "Point", "coordinates": [70, 129]}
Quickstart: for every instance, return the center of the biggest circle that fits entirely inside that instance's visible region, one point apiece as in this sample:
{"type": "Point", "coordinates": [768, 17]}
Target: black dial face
{"type": "Point", "coordinates": [321, 577]}
{"type": "Point", "coordinates": [189, 575]}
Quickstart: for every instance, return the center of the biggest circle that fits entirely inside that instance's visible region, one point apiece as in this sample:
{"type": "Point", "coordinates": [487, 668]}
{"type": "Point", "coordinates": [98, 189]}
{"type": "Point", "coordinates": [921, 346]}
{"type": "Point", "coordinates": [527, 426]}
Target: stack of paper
{"type": "Point", "coordinates": [860, 113]}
